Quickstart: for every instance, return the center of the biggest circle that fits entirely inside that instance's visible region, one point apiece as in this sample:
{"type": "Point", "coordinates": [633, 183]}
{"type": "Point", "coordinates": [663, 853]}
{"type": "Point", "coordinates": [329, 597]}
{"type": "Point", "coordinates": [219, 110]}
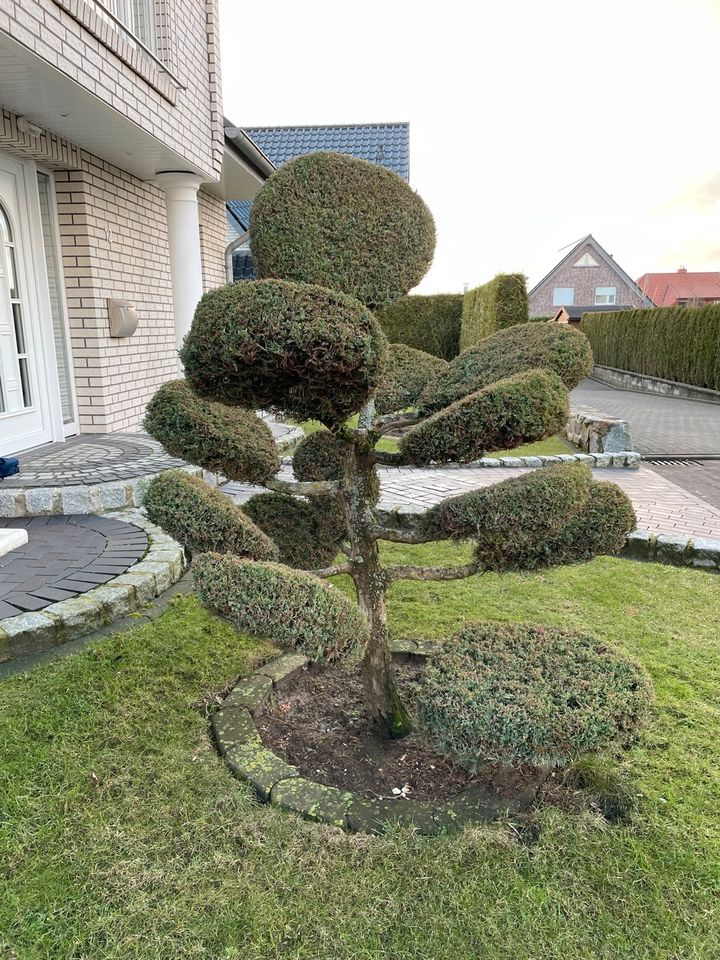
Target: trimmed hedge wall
{"type": "Point", "coordinates": [675, 343]}
{"type": "Point", "coordinates": [501, 303]}
{"type": "Point", "coordinates": [430, 324]}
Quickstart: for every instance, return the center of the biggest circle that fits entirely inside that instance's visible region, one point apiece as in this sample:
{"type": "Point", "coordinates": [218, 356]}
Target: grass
{"type": "Point", "coordinates": [123, 836]}
{"type": "Point", "coordinates": [550, 447]}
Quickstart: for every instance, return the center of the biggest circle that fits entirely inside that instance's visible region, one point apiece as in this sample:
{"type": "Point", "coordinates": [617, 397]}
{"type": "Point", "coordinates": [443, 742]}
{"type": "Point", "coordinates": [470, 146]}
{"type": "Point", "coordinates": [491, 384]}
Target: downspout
{"type": "Point", "coordinates": [229, 250]}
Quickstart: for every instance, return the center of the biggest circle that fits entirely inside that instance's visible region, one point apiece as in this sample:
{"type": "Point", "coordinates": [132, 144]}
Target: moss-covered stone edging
{"type": "Point", "coordinates": [277, 782]}
{"type": "Point", "coordinates": [161, 566]}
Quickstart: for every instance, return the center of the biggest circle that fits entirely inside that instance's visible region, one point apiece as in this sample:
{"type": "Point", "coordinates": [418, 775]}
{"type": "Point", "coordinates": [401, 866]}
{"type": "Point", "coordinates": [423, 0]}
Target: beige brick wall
{"type": "Point", "coordinates": [74, 37]}
{"type": "Point", "coordinates": [213, 229]}
{"type": "Point", "coordinates": [114, 244]}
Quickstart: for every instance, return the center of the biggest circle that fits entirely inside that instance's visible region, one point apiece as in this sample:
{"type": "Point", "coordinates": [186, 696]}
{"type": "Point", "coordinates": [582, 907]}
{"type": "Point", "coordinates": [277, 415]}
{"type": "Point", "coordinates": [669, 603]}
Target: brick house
{"type": "Point", "coordinates": [115, 166]}
{"type": "Point", "coordinates": [682, 288]}
{"type": "Point", "coordinates": [587, 276]}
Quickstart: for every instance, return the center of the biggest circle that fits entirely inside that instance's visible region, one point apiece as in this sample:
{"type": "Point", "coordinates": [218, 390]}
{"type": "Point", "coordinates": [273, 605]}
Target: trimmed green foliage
{"type": "Point", "coordinates": [309, 351]}
{"type": "Point", "coordinates": [329, 219]}
{"type": "Point", "coordinates": [320, 456]}
{"type": "Point", "coordinates": [500, 303]}
{"type": "Point", "coordinates": [517, 693]}
{"type": "Point", "coordinates": [427, 323]}
{"type": "Point", "coordinates": [212, 435]}
{"type": "Point", "coordinates": [548, 517]}
{"type": "Point", "coordinates": [407, 372]}
{"type": "Point", "coordinates": [675, 343]}
{"type": "Point", "coordinates": [202, 518]}
{"type": "Point", "coordinates": [306, 532]}
{"type": "Point", "coordinates": [523, 347]}
{"type": "Point", "coordinates": [291, 608]}
{"type": "Point", "coordinates": [520, 508]}
{"type": "Point", "coordinates": [528, 406]}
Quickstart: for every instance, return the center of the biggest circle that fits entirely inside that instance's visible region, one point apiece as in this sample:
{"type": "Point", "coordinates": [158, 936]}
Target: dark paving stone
{"type": "Point", "coordinates": [64, 559]}
{"type": "Point", "coordinates": [702, 479]}
{"type": "Point", "coordinates": [7, 610]}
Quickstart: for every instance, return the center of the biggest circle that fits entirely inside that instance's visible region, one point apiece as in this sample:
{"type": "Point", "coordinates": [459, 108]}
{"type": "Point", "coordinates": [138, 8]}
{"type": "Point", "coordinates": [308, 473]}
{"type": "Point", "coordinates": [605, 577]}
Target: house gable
{"type": "Point", "coordinates": [586, 276]}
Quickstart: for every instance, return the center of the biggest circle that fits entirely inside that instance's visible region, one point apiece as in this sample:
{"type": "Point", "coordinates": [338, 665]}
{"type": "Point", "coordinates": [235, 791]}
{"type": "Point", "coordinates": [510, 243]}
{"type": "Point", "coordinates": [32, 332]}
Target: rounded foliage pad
{"type": "Point", "coordinates": [291, 608]}
{"type": "Point", "coordinates": [517, 693]}
{"type": "Point", "coordinates": [526, 346]}
{"type": "Point", "coordinates": [306, 532]}
{"type": "Point", "coordinates": [308, 351]}
{"type": "Point", "coordinates": [342, 223]}
{"type": "Point", "coordinates": [521, 409]}
{"type": "Point", "coordinates": [320, 456]}
{"type": "Point", "coordinates": [407, 372]}
{"type": "Point", "coordinates": [202, 518]}
{"type": "Point", "coordinates": [527, 506]}
{"type": "Point", "coordinates": [212, 435]}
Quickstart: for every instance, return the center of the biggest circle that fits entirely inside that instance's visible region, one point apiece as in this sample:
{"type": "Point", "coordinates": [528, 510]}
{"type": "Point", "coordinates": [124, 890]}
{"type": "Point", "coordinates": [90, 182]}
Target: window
{"type": "Point", "coordinates": [586, 261]}
{"type": "Point", "coordinates": [54, 273]}
{"type": "Point", "coordinates": [138, 16]}
{"type": "Point", "coordinates": [563, 296]}
{"type": "Point", "coordinates": [604, 295]}
{"type": "Point", "coordinates": [16, 310]}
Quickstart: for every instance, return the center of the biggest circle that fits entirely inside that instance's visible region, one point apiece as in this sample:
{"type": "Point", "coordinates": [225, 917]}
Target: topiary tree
{"type": "Point", "coordinates": [331, 236]}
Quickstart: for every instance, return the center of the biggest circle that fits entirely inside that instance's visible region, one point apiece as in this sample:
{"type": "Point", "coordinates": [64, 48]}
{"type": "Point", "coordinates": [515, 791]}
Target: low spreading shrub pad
{"type": "Point", "coordinates": [516, 693]}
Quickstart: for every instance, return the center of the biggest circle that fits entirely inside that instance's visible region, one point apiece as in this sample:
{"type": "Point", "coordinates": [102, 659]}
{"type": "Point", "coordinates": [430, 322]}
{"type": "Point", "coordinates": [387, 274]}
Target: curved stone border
{"type": "Point", "coordinates": [161, 566]}
{"type": "Point", "coordinates": [277, 782]}
{"type": "Point", "coordinates": [701, 552]}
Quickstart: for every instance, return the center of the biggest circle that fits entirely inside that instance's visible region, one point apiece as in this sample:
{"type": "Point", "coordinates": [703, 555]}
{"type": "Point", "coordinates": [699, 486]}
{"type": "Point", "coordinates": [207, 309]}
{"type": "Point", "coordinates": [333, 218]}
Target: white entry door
{"type": "Point", "coordinates": [25, 403]}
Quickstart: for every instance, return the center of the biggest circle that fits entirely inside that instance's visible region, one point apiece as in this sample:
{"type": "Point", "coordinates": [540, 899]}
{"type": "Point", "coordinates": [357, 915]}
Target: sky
{"type": "Point", "coordinates": [532, 123]}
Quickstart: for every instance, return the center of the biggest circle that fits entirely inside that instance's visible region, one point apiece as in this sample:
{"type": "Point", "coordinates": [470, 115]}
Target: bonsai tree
{"type": "Point", "coordinates": [334, 238]}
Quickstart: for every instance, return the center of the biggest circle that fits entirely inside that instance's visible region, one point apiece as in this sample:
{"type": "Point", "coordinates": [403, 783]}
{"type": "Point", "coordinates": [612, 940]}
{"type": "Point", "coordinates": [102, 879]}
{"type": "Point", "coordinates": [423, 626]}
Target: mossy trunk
{"type": "Point", "coordinates": [360, 493]}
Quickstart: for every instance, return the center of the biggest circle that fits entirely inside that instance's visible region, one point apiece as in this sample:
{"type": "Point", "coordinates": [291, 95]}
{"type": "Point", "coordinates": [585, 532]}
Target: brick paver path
{"type": "Point", "coordinates": [660, 426]}
{"type": "Point", "coordinates": [64, 557]}
{"type": "Point", "coordinates": [661, 506]}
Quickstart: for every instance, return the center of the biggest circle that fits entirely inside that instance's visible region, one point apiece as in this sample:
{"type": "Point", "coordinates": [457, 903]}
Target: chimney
{"type": "Point", "coordinates": [682, 269]}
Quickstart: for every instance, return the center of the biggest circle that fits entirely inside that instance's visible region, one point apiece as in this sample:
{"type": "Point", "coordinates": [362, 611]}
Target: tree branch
{"type": "Point", "coordinates": [396, 536]}
{"type": "Point", "coordinates": [394, 421]}
{"type": "Point", "coordinates": [303, 489]}
{"type": "Point", "coordinates": [332, 571]}
{"type": "Point", "coordinates": [430, 573]}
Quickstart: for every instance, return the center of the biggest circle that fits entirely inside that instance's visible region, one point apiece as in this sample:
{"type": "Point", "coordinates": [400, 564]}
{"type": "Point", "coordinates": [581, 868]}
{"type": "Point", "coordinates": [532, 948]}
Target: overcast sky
{"type": "Point", "coordinates": [531, 123]}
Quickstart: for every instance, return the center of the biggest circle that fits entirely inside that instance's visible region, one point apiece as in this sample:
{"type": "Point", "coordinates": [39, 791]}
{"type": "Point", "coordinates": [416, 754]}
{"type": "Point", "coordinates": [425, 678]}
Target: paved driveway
{"type": "Point", "coordinates": [661, 426]}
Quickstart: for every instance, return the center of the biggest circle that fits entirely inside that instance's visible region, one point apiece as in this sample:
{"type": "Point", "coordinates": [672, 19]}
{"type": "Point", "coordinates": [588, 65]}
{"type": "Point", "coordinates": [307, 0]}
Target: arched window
{"type": "Point", "coordinates": [16, 308]}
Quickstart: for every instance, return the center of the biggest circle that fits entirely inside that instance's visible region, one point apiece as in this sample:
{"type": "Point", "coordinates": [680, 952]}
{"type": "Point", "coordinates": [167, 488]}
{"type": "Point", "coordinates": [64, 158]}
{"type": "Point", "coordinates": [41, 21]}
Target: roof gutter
{"type": "Point", "coordinates": [249, 150]}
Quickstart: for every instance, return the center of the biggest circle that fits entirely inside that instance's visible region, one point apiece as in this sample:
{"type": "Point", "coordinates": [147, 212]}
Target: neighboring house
{"type": "Point", "coordinates": [573, 315]}
{"type": "Point", "coordinates": [586, 277]}
{"type": "Point", "coordinates": [115, 166]}
{"type": "Point", "coordinates": [387, 144]}
{"type": "Point", "coordinates": [681, 289]}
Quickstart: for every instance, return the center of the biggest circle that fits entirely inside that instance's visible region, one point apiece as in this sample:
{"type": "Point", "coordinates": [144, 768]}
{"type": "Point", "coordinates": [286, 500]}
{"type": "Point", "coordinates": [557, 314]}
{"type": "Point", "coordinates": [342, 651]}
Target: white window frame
{"type": "Point", "coordinates": [126, 11]}
{"type": "Point", "coordinates": [605, 296]}
{"type": "Point", "coordinates": [71, 428]}
{"type": "Point", "coordinates": [560, 295]}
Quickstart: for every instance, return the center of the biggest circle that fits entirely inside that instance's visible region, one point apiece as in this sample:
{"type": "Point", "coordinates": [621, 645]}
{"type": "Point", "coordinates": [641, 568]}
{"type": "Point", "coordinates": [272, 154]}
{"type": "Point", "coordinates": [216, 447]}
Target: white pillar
{"type": "Point", "coordinates": [184, 241]}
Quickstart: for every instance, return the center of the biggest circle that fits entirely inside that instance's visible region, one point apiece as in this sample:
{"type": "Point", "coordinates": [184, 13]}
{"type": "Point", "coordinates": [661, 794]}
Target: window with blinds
{"type": "Point", "coordinates": [52, 261]}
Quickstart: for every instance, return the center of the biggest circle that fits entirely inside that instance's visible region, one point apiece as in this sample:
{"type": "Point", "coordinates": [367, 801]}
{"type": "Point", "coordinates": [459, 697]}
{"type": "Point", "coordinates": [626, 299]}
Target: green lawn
{"type": "Point", "coordinates": [123, 836]}
{"type": "Point", "coordinates": [548, 448]}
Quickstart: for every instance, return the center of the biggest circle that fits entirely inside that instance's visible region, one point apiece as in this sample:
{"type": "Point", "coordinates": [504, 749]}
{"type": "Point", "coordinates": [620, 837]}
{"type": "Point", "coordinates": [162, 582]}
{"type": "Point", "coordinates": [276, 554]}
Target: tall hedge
{"type": "Point", "coordinates": [675, 343]}
{"type": "Point", "coordinates": [431, 324]}
{"type": "Point", "coordinates": [501, 303]}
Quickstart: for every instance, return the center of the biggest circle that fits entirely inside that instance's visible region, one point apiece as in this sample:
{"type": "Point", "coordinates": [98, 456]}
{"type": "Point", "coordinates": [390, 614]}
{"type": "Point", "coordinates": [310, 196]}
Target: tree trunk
{"type": "Point", "coordinates": [384, 704]}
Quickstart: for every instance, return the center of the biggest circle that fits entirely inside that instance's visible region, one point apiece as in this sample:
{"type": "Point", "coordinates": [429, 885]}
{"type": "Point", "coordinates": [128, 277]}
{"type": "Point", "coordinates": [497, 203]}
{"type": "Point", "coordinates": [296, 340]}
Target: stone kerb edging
{"type": "Point", "coordinates": [162, 565]}
{"type": "Point", "coordinates": [679, 551]}
{"type": "Point", "coordinates": [279, 783]}
{"type": "Point", "coordinates": [626, 459]}
{"type": "Point", "coordinates": [593, 432]}
{"type": "Point", "coordinates": [99, 498]}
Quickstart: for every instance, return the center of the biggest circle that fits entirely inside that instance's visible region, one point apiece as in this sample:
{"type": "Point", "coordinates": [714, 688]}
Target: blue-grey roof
{"type": "Point", "coordinates": [387, 144]}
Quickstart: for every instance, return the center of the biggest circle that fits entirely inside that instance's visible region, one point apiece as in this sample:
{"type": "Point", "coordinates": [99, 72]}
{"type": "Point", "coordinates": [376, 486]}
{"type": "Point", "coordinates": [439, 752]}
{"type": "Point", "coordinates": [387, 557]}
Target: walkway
{"type": "Point", "coordinates": [660, 426]}
{"type": "Point", "coordinates": [661, 506]}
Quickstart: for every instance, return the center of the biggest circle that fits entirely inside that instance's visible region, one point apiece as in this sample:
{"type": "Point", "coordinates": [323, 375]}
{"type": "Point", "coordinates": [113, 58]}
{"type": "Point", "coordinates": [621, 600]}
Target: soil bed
{"type": "Point", "coordinates": [317, 722]}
